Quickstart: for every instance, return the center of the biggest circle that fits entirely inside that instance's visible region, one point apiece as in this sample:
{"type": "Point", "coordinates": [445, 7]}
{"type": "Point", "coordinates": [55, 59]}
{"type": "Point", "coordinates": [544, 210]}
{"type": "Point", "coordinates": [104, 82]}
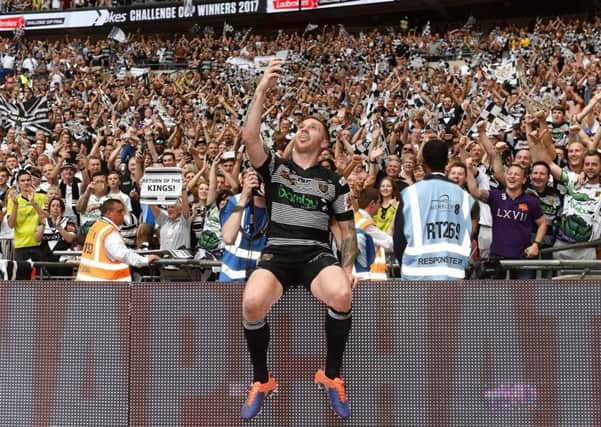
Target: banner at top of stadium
{"type": "Point", "coordinates": [276, 6]}
{"type": "Point", "coordinates": [77, 18]}
{"type": "Point", "coordinates": [64, 19]}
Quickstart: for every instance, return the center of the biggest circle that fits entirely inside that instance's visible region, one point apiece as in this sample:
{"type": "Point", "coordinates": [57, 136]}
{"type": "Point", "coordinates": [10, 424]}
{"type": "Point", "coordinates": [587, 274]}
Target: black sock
{"type": "Point", "coordinates": [338, 326]}
{"type": "Point", "coordinates": [257, 341]}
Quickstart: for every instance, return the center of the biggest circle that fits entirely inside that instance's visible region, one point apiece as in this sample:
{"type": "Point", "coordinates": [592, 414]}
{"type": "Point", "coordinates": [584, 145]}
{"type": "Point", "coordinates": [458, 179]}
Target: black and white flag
{"type": "Point", "coordinates": [547, 98]}
{"type": "Point", "coordinates": [415, 102]}
{"type": "Point", "coordinates": [19, 33]}
{"type": "Point", "coordinates": [227, 28]}
{"type": "Point", "coordinates": [470, 24]}
{"type": "Point", "coordinates": [106, 100]}
{"type": "Point", "coordinates": [188, 8]}
{"type": "Point", "coordinates": [118, 35]}
{"type": "Point", "coordinates": [239, 76]}
{"type": "Point", "coordinates": [499, 120]}
{"type": "Point", "coordinates": [31, 115]}
{"type": "Point", "coordinates": [247, 33]}
{"type": "Point", "coordinates": [243, 111]}
{"type": "Point", "coordinates": [140, 74]}
{"type": "Point", "coordinates": [535, 37]}
{"type": "Point", "coordinates": [427, 30]}
{"type": "Point", "coordinates": [314, 82]}
{"type": "Point", "coordinates": [342, 31]}
{"type": "Point", "coordinates": [505, 71]}
{"type": "Point", "coordinates": [77, 129]}
{"type": "Point", "coordinates": [310, 27]}
{"type": "Point", "coordinates": [416, 62]}
{"type": "Point", "coordinates": [479, 59]}
{"type": "Point", "coordinates": [538, 25]}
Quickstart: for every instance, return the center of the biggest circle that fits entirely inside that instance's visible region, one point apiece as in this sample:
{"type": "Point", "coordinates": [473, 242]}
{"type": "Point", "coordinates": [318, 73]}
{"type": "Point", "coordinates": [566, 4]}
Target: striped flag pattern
{"type": "Point", "coordinates": [31, 115]}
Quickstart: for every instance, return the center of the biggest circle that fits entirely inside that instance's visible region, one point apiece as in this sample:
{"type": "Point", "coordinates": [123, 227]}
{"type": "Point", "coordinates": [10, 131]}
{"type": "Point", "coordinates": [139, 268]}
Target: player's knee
{"type": "Point", "coordinates": [253, 308]}
{"type": "Point", "coordinates": [341, 300]}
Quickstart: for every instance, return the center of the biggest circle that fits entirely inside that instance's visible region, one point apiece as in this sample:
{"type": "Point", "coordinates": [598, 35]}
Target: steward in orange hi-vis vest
{"type": "Point", "coordinates": [95, 264]}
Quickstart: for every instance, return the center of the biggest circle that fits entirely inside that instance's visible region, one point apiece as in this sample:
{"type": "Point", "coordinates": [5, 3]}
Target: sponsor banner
{"type": "Point", "coordinates": [419, 354]}
{"type": "Point", "coordinates": [11, 22]}
{"type": "Point", "coordinates": [161, 186]}
{"type": "Point", "coordinates": [276, 6]}
{"type": "Point", "coordinates": [58, 20]}
{"type": "Point", "coordinates": [139, 14]}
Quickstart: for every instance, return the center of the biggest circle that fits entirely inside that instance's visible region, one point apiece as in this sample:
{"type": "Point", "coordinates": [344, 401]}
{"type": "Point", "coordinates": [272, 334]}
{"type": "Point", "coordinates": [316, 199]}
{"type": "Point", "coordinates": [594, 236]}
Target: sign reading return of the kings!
{"type": "Point", "coordinates": [161, 186]}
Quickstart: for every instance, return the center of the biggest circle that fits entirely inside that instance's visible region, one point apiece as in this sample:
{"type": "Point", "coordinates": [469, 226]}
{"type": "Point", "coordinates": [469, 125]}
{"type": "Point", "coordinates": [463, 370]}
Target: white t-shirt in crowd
{"type": "Point", "coordinates": [8, 62]}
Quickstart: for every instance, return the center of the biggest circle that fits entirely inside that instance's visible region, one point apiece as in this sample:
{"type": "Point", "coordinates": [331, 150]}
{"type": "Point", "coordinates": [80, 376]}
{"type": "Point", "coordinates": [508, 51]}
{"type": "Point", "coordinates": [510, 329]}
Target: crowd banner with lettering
{"type": "Point", "coordinates": [419, 354]}
{"type": "Point", "coordinates": [161, 186]}
{"type": "Point", "coordinates": [155, 12]}
{"type": "Point", "coordinates": [177, 11]}
{"type": "Point", "coordinates": [276, 6]}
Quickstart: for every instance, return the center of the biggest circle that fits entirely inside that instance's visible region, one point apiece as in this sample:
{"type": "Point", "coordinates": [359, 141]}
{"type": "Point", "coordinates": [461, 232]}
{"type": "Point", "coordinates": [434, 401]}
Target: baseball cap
{"type": "Point", "coordinates": [67, 166]}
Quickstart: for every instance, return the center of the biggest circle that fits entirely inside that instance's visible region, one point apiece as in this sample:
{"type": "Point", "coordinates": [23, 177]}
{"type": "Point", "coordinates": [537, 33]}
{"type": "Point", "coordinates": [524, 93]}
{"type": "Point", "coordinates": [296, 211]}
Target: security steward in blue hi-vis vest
{"type": "Point", "coordinates": [433, 223]}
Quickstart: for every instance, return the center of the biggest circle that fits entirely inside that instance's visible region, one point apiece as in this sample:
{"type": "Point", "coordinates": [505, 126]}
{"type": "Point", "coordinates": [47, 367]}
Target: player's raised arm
{"type": "Point", "coordinates": [251, 135]}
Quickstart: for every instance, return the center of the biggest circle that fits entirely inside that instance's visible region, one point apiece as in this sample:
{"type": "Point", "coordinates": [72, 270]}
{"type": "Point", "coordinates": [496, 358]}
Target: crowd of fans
{"type": "Point", "coordinates": [515, 95]}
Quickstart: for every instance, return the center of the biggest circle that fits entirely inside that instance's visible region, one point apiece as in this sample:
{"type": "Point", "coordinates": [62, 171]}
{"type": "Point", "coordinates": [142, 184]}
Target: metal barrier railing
{"type": "Point", "coordinates": [151, 274]}
{"type": "Point", "coordinates": [579, 268]}
{"type": "Point", "coordinates": [579, 245]}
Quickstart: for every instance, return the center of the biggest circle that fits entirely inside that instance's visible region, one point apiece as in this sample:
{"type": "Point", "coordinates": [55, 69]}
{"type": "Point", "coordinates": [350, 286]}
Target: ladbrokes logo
{"type": "Point", "coordinates": [117, 17]}
{"type": "Point", "coordinates": [294, 4]}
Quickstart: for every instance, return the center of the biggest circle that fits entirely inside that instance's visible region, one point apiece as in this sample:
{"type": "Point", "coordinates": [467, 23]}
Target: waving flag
{"type": "Point", "coordinates": [470, 24]}
{"type": "Point", "coordinates": [31, 115]}
{"type": "Point", "coordinates": [188, 8]}
{"type": "Point", "coordinates": [118, 35]}
{"type": "Point", "coordinates": [227, 28]}
{"type": "Point", "coordinates": [505, 71]}
{"type": "Point", "coordinates": [310, 27]}
{"type": "Point", "coordinates": [499, 120]}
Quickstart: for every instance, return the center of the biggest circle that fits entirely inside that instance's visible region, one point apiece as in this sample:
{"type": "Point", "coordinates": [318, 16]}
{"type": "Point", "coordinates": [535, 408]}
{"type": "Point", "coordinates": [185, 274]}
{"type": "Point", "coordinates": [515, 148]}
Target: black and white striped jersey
{"type": "Point", "coordinates": [301, 203]}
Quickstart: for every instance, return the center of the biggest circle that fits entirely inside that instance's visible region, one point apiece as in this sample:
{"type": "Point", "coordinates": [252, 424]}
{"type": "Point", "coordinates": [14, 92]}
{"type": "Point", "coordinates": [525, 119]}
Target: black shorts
{"type": "Point", "coordinates": [299, 269]}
